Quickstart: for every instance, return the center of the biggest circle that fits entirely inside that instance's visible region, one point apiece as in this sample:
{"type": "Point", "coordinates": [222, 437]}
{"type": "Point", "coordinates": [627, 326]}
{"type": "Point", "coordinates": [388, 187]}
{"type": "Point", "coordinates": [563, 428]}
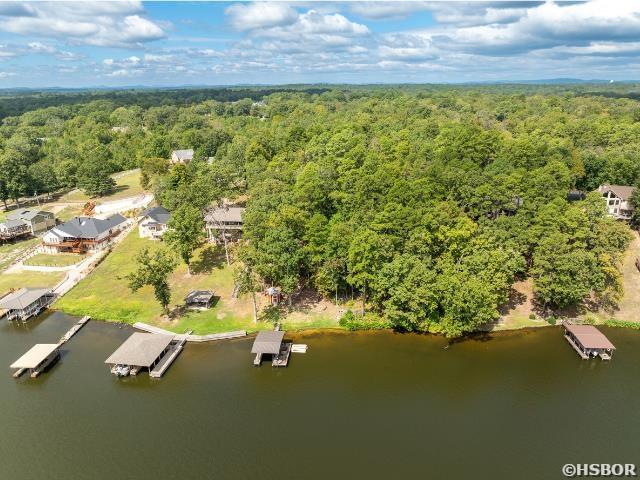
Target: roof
{"type": "Point", "coordinates": [268, 342]}
{"type": "Point", "coordinates": [199, 296]}
{"type": "Point", "coordinates": [13, 223]}
{"type": "Point", "coordinates": [140, 349]}
{"type": "Point", "coordinates": [157, 214]}
{"type": "Point", "coordinates": [184, 154]}
{"type": "Point", "coordinates": [88, 227]}
{"type": "Point", "coordinates": [27, 214]}
{"type": "Point", "coordinates": [35, 356]}
{"type": "Point", "coordinates": [224, 214]}
{"type": "Point", "coordinates": [589, 336]}
{"type": "Point", "coordinates": [623, 192]}
{"type": "Point", "coordinates": [22, 298]}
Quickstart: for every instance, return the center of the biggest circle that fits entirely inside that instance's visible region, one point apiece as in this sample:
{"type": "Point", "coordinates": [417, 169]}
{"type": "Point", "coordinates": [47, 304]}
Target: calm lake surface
{"type": "Point", "coordinates": [367, 405]}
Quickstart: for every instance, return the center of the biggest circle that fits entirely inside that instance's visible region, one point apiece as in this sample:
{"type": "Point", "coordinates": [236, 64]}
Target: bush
{"type": "Point", "coordinates": [622, 324]}
{"type": "Point", "coordinates": [552, 320]}
{"type": "Point", "coordinates": [532, 316]}
{"type": "Point", "coordinates": [352, 322]}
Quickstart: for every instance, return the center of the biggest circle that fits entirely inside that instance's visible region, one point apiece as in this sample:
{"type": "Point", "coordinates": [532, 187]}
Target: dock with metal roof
{"type": "Point", "coordinates": [271, 343]}
{"type": "Point", "coordinates": [37, 359]}
{"type": "Point", "coordinates": [588, 341]}
{"type": "Point", "coordinates": [26, 303]}
{"type": "Point", "coordinates": [145, 350]}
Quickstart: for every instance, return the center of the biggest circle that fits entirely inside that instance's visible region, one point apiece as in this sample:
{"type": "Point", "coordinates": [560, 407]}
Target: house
{"type": "Point", "coordinates": [25, 303]}
{"type": "Point", "coordinates": [83, 234]}
{"type": "Point", "coordinates": [182, 156]}
{"type": "Point", "coordinates": [154, 222]}
{"type": "Point", "coordinates": [617, 198]}
{"type": "Point", "coordinates": [38, 221]}
{"type": "Point", "coordinates": [12, 229]}
{"type": "Point", "coordinates": [225, 221]}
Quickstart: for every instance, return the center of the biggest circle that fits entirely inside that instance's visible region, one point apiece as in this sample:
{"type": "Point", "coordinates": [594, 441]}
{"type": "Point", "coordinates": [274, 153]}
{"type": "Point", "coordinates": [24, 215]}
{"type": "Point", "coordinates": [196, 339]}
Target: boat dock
{"type": "Point", "coordinates": [175, 347]}
{"type": "Point", "coordinates": [146, 351]}
{"type": "Point", "coordinates": [272, 344]}
{"type": "Point", "coordinates": [190, 337]}
{"type": "Point", "coordinates": [588, 341]}
{"type": "Point", "coordinates": [37, 359]}
{"type": "Point", "coordinates": [81, 323]}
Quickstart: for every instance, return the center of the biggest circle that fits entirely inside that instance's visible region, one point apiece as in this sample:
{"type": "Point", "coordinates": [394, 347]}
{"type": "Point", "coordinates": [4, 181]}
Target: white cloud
{"type": "Point", "coordinates": [107, 24]}
{"type": "Point", "coordinates": [387, 10]}
{"type": "Point", "coordinates": [260, 15]}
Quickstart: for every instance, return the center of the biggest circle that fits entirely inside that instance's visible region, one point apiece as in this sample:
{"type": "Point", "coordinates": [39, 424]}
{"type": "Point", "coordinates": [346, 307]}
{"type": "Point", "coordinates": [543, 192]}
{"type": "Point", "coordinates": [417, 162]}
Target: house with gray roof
{"type": "Point", "coordinates": [82, 234]}
{"type": "Point", "coordinates": [154, 222]}
{"type": "Point", "coordinates": [182, 156]}
{"type": "Point", "coordinates": [25, 303]}
{"type": "Point", "coordinates": [617, 198]}
{"type": "Point", "coordinates": [225, 221]}
{"type": "Point", "coordinates": [38, 221]}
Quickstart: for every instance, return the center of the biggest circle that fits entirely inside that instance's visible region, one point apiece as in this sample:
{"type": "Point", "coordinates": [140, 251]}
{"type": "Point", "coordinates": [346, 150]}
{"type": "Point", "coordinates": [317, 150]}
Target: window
{"type": "Point", "coordinates": [615, 210]}
{"type": "Point", "coordinates": [612, 202]}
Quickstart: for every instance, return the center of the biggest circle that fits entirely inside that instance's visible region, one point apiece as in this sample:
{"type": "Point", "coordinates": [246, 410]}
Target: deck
{"type": "Point", "coordinates": [282, 359]}
{"type": "Point", "coordinates": [81, 323]}
{"type": "Point", "coordinates": [165, 362]}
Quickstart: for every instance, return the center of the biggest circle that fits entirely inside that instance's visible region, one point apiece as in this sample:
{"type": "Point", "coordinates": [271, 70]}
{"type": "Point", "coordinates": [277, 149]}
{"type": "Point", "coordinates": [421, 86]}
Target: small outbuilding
{"type": "Point", "coordinates": [25, 303]}
{"type": "Point", "coordinates": [202, 299]}
{"type": "Point", "coordinates": [181, 156]}
{"type": "Point", "coordinates": [37, 359]}
{"type": "Point", "coordinates": [588, 341]}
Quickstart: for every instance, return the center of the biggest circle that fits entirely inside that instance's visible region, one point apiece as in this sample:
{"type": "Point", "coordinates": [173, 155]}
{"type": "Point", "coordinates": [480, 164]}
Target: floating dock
{"type": "Point", "coordinates": [175, 347]}
{"type": "Point", "coordinates": [37, 359]}
{"type": "Point", "coordinates": [81, 323]}
{"type": "Point", "coordinates": [189, 337]}
{"type": "Point", "coordinates": [588, 341]}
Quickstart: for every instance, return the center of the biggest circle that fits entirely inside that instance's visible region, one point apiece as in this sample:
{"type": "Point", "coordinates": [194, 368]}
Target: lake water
{"type": "Point", "coordinates": [357, 405]}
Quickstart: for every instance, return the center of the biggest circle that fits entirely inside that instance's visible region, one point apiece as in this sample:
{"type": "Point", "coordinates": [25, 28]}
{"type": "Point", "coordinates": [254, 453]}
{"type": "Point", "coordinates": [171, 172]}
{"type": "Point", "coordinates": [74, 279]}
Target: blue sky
{"type": "Point", "coordinates": [80, 44]}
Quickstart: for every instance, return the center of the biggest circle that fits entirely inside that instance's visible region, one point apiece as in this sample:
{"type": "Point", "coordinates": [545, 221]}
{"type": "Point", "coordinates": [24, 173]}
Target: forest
{"type": "Point", "coordinates": [426, 203]}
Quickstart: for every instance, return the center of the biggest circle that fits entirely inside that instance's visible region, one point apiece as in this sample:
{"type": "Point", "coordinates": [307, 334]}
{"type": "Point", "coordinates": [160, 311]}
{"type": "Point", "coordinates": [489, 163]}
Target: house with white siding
{"type": "Point", "coordinates": [617, 198]}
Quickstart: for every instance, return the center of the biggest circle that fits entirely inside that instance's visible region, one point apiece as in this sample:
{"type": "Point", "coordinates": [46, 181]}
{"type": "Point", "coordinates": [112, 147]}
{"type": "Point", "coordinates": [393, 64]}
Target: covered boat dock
{"type": "Point", "coordinates": [143, 350]}
{"type": "Point", "coordinates": [26, 303]}
{"type": "Point", "coordinates": [37, 359]}
{"type": "Point", "coordinates": [271, 343]}
{"type": "Point", "coordinates": [588, 341]}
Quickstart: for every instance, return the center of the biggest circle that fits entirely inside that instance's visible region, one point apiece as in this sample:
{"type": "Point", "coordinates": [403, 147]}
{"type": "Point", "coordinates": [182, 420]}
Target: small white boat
{"type": "Point", "coordinates": [121, 370]}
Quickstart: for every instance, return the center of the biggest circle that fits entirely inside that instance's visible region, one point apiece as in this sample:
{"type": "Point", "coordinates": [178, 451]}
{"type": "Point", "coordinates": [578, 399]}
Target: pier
{"type": "Point", "coordinates": [37, 359]}
{"type": "Point", "coordinates": [81, 323]}
{"type": "Point", "coordinates": [175, 347]}
{"type": "Point", "coordinates": [190, 337]}
{"type": "Point", "coordinates": [588, 341]}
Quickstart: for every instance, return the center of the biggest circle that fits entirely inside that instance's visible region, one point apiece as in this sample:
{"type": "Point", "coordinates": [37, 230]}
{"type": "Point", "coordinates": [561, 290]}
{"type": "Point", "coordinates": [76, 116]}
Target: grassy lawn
{"type": "Point", "coordinates": [60, 260]}
{"type": "Point", "coordinates": [126, 186]}
{"type": "Point", "coordinates": [104, 295]}
{"type": "Point", "coordinates": [10, 251]}
{"type": "Point", "coordinates": [9, 281]}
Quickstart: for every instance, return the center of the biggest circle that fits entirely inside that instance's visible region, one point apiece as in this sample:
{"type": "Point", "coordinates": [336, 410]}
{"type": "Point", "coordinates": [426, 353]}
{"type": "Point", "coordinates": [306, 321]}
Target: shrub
{"type": "Point", "coordinates": [551, 320]}
{"type": "Point", "coordinates": [352, 322]}
{"type": "Point", "coordinates": [532, 316]}
{"type": "Point", "coordinates": [622, 324]}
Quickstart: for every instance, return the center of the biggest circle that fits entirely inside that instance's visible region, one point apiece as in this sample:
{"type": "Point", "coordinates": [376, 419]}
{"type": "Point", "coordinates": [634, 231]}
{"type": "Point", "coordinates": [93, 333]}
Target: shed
{"type": "Point", "coordinates": [199, 299]}
{"type": "Point", "coordinates": [268, 343]}
{"type": "Point", "coordinates": [141, 350]}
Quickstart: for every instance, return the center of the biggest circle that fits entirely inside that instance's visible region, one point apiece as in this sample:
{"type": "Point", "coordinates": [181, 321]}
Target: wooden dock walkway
{"type": "Point", "coordinates": [282, 359]}
{"type": "Point", "coordinates": [165, 362]}
{"type": "Point", "coordinates": [73, 330]}
{"type": "Point", "coordinates": [189, 337]}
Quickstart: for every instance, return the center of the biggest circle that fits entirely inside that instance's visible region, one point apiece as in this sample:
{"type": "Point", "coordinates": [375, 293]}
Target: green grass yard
{"type": "Point", "coordinates": [104, 295]}
{"type": "Point", "coordinates": [13, 281]}
{"type": "Point", "coordinates": [60, 260]}
{"type": "Point", "coordinates": [10, 251]}
{"type": "Point", "coordinates": [126, 186]}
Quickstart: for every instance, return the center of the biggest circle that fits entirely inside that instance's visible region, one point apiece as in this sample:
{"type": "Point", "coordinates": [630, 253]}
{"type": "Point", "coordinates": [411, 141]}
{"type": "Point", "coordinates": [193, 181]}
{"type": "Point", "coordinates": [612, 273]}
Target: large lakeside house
{"type": "Point", "coordinates": [82, 234]}
{"type": "Point", "coordinates": [618, 199]}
